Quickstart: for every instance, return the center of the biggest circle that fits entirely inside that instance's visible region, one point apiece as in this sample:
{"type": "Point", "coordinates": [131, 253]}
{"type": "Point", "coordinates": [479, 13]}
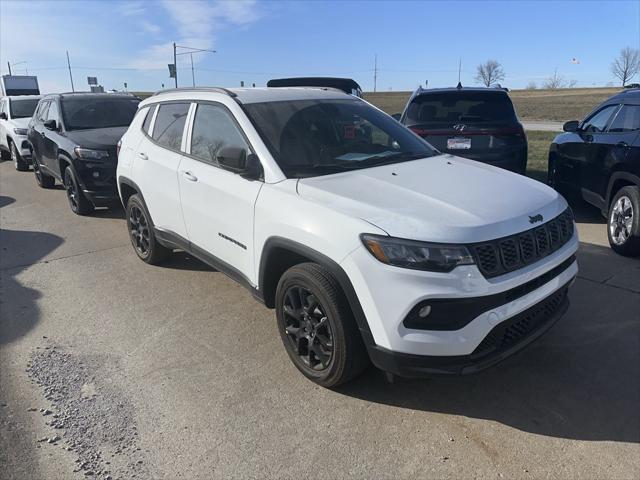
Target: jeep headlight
{"type": "Point", "coordinates": [88, 154]}
{"type": "Point", "coordinates": [434, 257]}
{"type": "Point", "coordinates": [20, 131]}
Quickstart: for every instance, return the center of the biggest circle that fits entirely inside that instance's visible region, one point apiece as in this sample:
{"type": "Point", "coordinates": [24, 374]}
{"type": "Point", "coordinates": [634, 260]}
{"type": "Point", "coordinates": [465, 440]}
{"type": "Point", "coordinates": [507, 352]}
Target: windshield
{"type": "Point", "coordinates": [98, 112]}
{"type": "Point", "coordinates": [318, 137]}
{"type": "Point", "coordinates": [468, 107]}
{"type": "Point", "coordinates": [23, 108]}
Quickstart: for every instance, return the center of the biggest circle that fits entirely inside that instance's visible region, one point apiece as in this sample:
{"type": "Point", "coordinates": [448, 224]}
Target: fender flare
{"type": "Point", "coordinates": [615, 176]}
{"type": "Point", "coordinates": [334, 268]}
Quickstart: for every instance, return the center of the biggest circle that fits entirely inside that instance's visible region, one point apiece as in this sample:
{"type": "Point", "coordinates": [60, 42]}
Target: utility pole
{"type": "Point", "coordinates": [9, 65]}
{"type": "Point", "coordinates": [175, 64]}
{"type": "Point", "coordinates": [459, 68]}
{"type": "Point", "coordinates": [70, 75]}
{"type": "Point", "coordinates": [193, 75]}
{"type": "Point", "coordinates": [375, 72]}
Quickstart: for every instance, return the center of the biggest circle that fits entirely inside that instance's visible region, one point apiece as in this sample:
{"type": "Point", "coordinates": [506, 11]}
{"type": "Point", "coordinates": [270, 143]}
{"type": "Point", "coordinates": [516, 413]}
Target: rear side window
{"type": "Point", "coordinates": [169, 125]}
{"type": "Point", "coordinates": [214, 129]}
{"type": "Point", "coordinates": [468, 107]}
{"type": "Point", "coordinates": [147, 120]}
{"type": "Point", "coordinates": [627, 119]}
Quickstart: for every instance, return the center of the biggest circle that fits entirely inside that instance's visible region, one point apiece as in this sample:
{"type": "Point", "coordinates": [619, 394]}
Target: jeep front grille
{"type": "Point", "coordinates": [511, 253]}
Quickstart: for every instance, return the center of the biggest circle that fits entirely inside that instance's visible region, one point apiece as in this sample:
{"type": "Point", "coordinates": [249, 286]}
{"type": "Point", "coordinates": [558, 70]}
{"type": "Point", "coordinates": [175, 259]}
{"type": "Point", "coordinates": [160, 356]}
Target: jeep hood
{"type": "Point", "coordinates": [438, 199]}
{"type": "Point", "coordinates": [20, 122]}
{"type": "Point", "coordinates": [102, 138]}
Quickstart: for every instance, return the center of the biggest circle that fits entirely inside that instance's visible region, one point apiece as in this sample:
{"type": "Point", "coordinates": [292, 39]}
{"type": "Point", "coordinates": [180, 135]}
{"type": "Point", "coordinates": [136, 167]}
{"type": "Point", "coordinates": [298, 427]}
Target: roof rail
{"type": "Point", "coordinates": [196, 89]}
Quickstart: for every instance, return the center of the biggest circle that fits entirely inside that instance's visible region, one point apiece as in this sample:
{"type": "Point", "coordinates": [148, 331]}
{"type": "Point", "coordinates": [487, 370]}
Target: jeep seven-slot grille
{"type": "Point", "coordinates": [510, 253]}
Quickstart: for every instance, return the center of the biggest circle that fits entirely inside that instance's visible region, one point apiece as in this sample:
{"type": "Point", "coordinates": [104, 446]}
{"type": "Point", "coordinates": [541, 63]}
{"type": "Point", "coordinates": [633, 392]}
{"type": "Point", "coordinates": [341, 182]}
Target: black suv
{"type": "Point", "coordinates": [476, 123]}
{"type": "Point", "coordinates": [598, 159]}
{"type": "Point", "coordinates": [73, 139]}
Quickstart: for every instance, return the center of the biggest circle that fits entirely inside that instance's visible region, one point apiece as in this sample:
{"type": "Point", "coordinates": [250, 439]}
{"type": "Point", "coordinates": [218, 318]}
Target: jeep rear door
{"type": "Point", "coordinates": [218, 205]}
{"type": "Point", "coordinates": [155, 166]}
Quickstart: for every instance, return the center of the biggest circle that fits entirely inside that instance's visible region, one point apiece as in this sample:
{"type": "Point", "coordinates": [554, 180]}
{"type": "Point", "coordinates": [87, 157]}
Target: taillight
{"type": "Point", "coordinates": [118, 145]}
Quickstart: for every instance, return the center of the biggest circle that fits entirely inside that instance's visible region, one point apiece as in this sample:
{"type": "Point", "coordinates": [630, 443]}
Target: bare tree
{"type": "Point", "coordinates": [531, 85]}
{"type": "Point", "coordinates": [489, 73]}
{"type": "Point", "coordinates": [627, 65]}
{"type": "Point", "coordinates": [556, 81]}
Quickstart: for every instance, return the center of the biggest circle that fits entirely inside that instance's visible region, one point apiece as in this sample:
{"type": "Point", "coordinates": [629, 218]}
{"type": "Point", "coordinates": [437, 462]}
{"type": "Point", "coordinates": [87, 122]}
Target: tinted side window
{"type": "Point", "coordinates": [147, 119]}
{"type": "Point", "coordinates": [598, 121]}
{"type": "Point", "coordinates": [169, 125]}
{"type": "Point", "coordinates": [627, 119]}
{"type": "Point", "coordinates": [213, 129]}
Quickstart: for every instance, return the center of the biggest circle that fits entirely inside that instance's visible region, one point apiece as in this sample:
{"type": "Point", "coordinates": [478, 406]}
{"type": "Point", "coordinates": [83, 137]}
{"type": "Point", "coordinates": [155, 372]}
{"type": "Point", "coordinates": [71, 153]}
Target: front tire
{"type": "Point", "coordinates": [78, 202]}
{"type": "Point", "coordinates": [623, 223]}
{"type": "Point", "coordinates": [42, 179]}
{"type": "Point", "coordinates": [17, 159]}
{"type": "Point", "coordinates": [141, 233]}
{"type": "Point", "coordinates": [317, 326]}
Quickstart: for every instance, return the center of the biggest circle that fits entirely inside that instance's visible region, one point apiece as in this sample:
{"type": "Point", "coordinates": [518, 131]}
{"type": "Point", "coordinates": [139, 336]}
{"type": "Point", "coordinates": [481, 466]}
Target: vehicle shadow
{"type": "Point", "coordinates": [580, 381]}
{"type": "Point", "coordinates": [19, 310]}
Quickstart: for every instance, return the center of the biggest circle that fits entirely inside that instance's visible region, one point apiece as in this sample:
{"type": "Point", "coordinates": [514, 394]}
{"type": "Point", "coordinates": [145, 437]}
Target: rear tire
{"type": "Point", "coordinates": [42, 179]}
{"type": "Point", "coordinates": [17, 159]}
{"type": "Point", "coordinates": [623, 222]}
{"type": "Point", "coordinates": [141, 233]}
{"type": "Point", "coordinates": [317, 326]}
{"type": "Point", "coordinates": [78, 202]}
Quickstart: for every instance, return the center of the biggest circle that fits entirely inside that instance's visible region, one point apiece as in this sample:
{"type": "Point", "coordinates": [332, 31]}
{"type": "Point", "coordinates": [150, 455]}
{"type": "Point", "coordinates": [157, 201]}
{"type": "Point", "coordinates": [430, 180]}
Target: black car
{"type": "Point", "coordinates": [73, 139]}
{"type": "Point", "coordinates": [347, 85]}
{"type": "Point", "coordinates": [598, 159]}
{"type": "Point", "coordinates": [476, 123]}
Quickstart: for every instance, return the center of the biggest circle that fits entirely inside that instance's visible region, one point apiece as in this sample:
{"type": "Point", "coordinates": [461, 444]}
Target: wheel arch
{"type": "Point", "coordinates": [127, 188]}
{"type": "Point", "coordinates": [279, 254]}
{"type": "Point", "coordinates": [618, 180]}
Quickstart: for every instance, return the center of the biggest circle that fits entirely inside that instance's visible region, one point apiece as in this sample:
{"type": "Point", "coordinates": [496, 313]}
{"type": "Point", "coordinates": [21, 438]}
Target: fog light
{"type": "Point", "coordinates": [424, 311]}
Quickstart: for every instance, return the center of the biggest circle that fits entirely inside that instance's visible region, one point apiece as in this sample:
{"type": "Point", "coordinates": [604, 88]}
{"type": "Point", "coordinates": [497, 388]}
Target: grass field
{"type": "Point", "coordinates": [538, 154]}
{"type": "Point", "coordinates": [557, 105]}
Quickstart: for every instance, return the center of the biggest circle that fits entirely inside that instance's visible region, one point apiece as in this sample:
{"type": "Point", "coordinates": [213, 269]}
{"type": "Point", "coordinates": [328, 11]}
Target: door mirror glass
{"type": "Point", "coordinates": [3, 116]}
{"type": "Point", "coordinates": [51, 125]}
{"type": "Point", "coordinates": [571, 126]}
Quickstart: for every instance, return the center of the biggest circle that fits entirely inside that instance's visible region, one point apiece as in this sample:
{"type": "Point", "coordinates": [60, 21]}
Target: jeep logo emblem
{"type": "Point", "coordinates": [535, 218]}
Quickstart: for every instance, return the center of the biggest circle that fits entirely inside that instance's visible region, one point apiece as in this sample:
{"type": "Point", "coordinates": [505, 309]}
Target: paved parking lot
{"type": "Point", "coordinates": [189, 368]}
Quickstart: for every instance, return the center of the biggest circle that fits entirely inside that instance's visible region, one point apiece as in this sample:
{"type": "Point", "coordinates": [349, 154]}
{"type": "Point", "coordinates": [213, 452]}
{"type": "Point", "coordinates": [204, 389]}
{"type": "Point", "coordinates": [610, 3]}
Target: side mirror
{"type": "Point", "coordinates": [3, 116]}
{"type": "Point", "coordinates": [397, 116]}
{"type": "Point", "coordinates": [571, 126]}
{"type": "Point", "coordinates": [51, 125]}
{"type": "Point", "coordinates": [236, 160]}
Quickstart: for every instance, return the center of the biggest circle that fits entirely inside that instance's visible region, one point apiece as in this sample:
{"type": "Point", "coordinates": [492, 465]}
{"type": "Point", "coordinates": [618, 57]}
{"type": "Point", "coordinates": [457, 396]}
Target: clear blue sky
{"type": "Point", "coordinates": [131, 41]}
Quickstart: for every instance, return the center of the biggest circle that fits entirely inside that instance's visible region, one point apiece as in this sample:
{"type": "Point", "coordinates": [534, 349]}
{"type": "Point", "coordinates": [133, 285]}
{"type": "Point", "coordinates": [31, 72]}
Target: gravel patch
{"type": "Point", "coordinates": [87, 414]}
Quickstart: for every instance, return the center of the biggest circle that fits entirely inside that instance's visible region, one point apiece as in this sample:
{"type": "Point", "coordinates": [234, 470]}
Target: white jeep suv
{"type": "Point", "coordinates": [15, 115]}
{"type": "Point", "coordinates": [369, 244]}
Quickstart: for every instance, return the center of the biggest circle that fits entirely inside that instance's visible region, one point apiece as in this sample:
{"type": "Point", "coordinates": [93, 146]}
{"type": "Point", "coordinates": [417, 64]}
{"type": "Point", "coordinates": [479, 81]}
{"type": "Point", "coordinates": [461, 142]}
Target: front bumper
{"type": "Point", "coordinates": [504, 340]}
{"type": "Point", "coordinates": [388, 295]}
{"type": "Point", "coordinates": [102, 198]}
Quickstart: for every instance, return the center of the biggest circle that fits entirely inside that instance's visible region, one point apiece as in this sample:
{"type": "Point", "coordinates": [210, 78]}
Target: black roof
{"type": "Point", "coordinates": [629, 94]}
{"type": "Point", "coordinates": [421, 91]}
{"type": "Point", "coordinates": [344, 84]}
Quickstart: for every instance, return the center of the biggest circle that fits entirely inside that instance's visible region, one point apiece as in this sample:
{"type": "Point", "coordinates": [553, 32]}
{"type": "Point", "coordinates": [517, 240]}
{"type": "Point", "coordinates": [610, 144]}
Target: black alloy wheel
{"type": "Point", "coordinates": [139, 231]}
{"type": "Point", "coordinates": [307, 328]}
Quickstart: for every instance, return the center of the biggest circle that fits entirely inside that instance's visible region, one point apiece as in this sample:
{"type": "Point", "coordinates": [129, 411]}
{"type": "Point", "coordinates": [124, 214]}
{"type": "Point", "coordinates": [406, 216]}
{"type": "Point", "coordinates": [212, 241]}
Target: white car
{"type": "Point", "coordinates": [369, 244]}
{"type": "Point", "coordinates": [15, 115]}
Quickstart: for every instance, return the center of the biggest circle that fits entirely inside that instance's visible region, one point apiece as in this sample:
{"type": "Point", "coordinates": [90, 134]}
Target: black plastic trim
{"type": "Point", "coordinates": [448, 314]}
{"type": "Point", "coordinates": [336, 270]}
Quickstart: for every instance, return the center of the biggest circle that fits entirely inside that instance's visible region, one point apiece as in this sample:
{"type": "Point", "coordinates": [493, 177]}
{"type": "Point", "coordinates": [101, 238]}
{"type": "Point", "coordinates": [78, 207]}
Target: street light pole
{"type": "Point", "coordinates": [193, 75]}
{"type": "Point", "coordinates": [175, 64]}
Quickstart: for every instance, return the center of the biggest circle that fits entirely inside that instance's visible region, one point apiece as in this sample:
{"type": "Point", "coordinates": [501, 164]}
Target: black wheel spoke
{"type": "Point", "coordinates": [307, 328]}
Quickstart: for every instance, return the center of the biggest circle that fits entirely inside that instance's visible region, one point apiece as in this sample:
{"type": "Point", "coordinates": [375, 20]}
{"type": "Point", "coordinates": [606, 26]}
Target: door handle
{"type": "Point", "coordinates": [189, 176]}
{"type": "Point", "coordinates": [622, 144]}
{"type": "Point", "coordinates": [142, 156]}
